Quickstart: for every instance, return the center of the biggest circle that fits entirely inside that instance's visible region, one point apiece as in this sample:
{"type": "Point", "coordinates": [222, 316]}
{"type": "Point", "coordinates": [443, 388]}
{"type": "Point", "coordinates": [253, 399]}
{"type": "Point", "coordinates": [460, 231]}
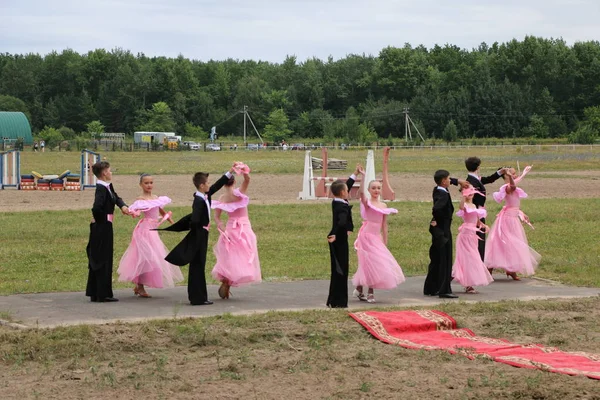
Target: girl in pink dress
{"type": "Point", "coordinates": [143, 263]}
{"type": "Point", "coordinates": [507, 247]}
{"type": "Point", "coordinates": [236, 251]}
{"type": "Point", "coordinates": [377, 267]}
{"type": "Point", "coordinates": [468, 269]}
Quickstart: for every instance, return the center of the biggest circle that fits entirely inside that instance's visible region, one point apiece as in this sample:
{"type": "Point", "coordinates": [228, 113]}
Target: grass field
{"type": "Point", "coordinates": [423, 160]}
{"type": "Point", "coordinates": [45, 251]}
{"type": "Point", "coordinates": [305, 355]}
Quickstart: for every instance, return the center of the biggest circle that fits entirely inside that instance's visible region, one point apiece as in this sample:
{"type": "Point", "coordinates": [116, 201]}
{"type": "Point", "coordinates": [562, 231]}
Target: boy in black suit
{"type": "Point", "coordinates": [193, 248]}
{"type": "Point", "coordinates": [439, 272]}
{"type": "Point", "coordinates": [100, 246]}
{"type": "Point", "coordinates": [478, 182]}
{"type": "Point", "coordinates": [338, 241]}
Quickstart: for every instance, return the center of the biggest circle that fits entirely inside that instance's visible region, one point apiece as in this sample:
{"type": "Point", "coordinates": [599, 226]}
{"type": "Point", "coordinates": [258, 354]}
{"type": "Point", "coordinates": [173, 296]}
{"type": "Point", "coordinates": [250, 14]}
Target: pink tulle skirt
{"type": "Point", "coordinates": [468, 269]}
{"type": "Point", "coordinates": [144, 260]}
{"type": "Point", "coordinates": [237, 254]}
{"type": "Point", "coordinates": [377, 267]}
{"type": "Point", "coordinates": [507, 247]}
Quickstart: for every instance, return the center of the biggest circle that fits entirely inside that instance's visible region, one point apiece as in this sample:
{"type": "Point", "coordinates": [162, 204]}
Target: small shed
{"type": "Point", "coordinates": [14, 125]}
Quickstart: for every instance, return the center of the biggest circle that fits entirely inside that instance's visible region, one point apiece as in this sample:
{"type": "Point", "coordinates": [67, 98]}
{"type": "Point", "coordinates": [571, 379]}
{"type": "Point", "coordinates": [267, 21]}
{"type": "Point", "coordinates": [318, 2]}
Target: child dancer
{"type": "Point", "coordinates": [468, 269]}
{"type": "Point", "coordinates": [439, 271]}
{"type": "Point", "coordinates": [192, 249]}
{"type": "Point", "coordinates": [236, 250]}
{"type": "Point", "coordinates": [474, 178]}
{"type": "Point", "coordinates": [507, 246]}
{"type": "Point", "coordinates": [143, 262]}
{"type": "Point", "coordinates": [100, 245]}
{"type": "Point", "coordinates": [377, 267]}
{"type": "Point", "coordinates": [338, 241]}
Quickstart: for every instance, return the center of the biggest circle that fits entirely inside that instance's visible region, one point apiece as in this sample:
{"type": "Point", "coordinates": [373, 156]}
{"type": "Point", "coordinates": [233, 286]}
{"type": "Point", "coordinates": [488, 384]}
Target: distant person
{"type": "Point", "coordinates": [35, 146]}
{"type": "Point", "coordinates": [468, 268]}
{"type": "Point", "coordinates": [193, 248]}
{"type": "Point", "coordinates": [236, 251]}
{"type": "Point", "coordinates": [342, 226]}
{"type": "Point", "coordinates": [377, 267]}
{"type": "Point", "coordinates": [100, 245]}
{"type": "Point", "coordinates": [143, 263]}
{"type": "Point", "coordinates": [43, 145]}
{"type": "Point", "coordinates": [507, 247]}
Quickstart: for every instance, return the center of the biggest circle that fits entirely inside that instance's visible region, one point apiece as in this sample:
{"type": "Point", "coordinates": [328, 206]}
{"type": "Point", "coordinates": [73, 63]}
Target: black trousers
{"type": "Point", "coordinates": [99, 283]}
{"type": "Point", "coordinates": [439, 272]}
{"type": "Point", "coordinates": [197, 292]}
{"type": "Point", "coordinates": [338, 286]}
{"type": "Point", "coordinates": [481, 243]}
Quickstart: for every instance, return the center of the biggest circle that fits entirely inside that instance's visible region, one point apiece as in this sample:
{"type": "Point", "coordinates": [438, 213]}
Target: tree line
{"type": "Point", "coordinates": [535, 87]}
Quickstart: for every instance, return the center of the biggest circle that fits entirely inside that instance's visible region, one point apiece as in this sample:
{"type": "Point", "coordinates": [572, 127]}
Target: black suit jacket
{"type": "Point", "coordinates": [478, 199]}
{"type": "Point", "coordinates": [442, 210]}
{"type": "Point", "coordinates": [100, 244]}
{"type": "Point", "coordinates": [195, 222]}
{"type": "Point", "coordinates": [342, 215]}
{"type": "Point", "coordinates": [104, 202]}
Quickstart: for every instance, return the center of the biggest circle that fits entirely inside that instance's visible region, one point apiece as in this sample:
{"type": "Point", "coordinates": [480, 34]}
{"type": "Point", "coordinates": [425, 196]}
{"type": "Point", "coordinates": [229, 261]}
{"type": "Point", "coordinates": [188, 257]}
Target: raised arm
{"type": "Point", "coordinates": [459, 182]}
{"type": "Point", "coordinates": [462, 203]}
{"type": "Point", "coordinates": [245, 184]}
{"type": "Point", "coordinates": [511, 185]}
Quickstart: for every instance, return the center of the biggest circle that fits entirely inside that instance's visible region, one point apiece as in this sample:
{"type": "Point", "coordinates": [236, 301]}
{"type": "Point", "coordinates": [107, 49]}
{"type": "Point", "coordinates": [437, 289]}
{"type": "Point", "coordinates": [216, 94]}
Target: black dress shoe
{"type": "Point", "coordinates": [203, 303]}
{"type": "Point", "coordinates": [448, 296]}
{"type": "Point", "coordinates": [430, 294]}
{"type": "Point", "coordinates": [107, 300]}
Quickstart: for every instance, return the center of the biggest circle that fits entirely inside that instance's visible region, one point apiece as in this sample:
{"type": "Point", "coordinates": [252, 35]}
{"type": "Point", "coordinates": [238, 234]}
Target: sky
{"type": "Point", "coordinates": [271, 30]}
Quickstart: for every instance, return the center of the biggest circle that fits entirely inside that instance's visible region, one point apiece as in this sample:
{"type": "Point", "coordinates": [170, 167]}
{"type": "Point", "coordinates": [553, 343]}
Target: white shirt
{"type": "Point", "coordinates": [340, 200]}
{"type": "Point", "coordinates": [474, 175]}
{"type": "Point", "coordinates": [443, 188]}
{"type": "Point", "coordinates": [203, 195]}
{"type": "Point", "coordinates": [106, 185]}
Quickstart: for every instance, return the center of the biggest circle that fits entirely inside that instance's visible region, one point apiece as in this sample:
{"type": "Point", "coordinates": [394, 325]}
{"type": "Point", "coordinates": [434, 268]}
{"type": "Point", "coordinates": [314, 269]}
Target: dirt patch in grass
{"type": "Point", "coordinates": [308, 355]}
{"type": "Point", "coordinates": [282, 189]}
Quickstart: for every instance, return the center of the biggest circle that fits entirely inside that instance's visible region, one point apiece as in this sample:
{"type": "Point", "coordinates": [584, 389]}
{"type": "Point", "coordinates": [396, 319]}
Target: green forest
{"type": "Point", "coordinates": [530, 88]}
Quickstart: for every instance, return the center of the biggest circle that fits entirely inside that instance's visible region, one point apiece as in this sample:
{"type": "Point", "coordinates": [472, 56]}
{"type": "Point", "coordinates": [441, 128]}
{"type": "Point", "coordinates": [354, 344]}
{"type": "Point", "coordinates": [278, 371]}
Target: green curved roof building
{"type": "Point", "coordinates": [14, 125]}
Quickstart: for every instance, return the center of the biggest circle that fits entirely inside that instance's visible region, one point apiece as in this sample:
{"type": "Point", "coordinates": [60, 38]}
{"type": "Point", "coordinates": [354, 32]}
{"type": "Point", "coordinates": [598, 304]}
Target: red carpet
{"type": "Point", "coordinates": [434, 330]}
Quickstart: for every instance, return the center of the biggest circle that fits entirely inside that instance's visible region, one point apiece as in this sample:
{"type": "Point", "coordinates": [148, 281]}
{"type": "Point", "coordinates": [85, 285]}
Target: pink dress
{"type": "Point", "coordinates": [468, 269]}
{"type": "Point", "coordinates": [377, 267]}
{"type": "Point", "coordinates": [507, 247]}
{"type": "Point", "coordinates": [236, 250]}
{"type": "Point", "coordinates": [144, 260]}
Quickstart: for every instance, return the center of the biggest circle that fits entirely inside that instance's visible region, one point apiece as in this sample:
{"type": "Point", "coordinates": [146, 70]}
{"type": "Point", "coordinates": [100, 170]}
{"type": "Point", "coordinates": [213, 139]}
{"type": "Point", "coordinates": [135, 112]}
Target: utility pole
{"type": "Point", "coordinates": [245, 112]}
{"type": "Point", "coordinates": [247, 115]}
{"type": "Point", "coordinates": [407, 123]}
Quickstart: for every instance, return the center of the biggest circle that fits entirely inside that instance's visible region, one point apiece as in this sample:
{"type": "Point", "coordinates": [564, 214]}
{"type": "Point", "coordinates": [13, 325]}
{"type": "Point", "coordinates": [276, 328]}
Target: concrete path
{"type": "Point", "coordinates": [72, 308]}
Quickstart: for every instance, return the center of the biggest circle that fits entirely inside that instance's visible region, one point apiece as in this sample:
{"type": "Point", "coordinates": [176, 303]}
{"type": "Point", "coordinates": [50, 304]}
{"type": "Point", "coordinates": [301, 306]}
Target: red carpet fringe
{"type": "Point", "coordinates": [435, 330]}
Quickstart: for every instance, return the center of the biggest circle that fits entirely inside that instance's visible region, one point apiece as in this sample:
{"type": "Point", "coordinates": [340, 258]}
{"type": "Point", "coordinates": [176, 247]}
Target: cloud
{"type": "Point", "coordinates": [270, 30]}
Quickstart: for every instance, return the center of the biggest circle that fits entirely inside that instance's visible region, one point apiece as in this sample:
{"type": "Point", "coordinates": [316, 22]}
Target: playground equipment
{"type": "Point", "coordinates": [318, 187]}
{"type": "Point", "coordinates": [10, 174]}
{"type": "Point", "coordinates": [10, 169]}
{"type": "Point", "coordinates": [88, 179]}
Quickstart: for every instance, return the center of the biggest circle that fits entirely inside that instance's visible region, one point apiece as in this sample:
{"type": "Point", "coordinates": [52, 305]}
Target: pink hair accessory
{"type": "Point", "coordinates": [471, 190]}
{"type": "Point", "coordinates": [241, 168]}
